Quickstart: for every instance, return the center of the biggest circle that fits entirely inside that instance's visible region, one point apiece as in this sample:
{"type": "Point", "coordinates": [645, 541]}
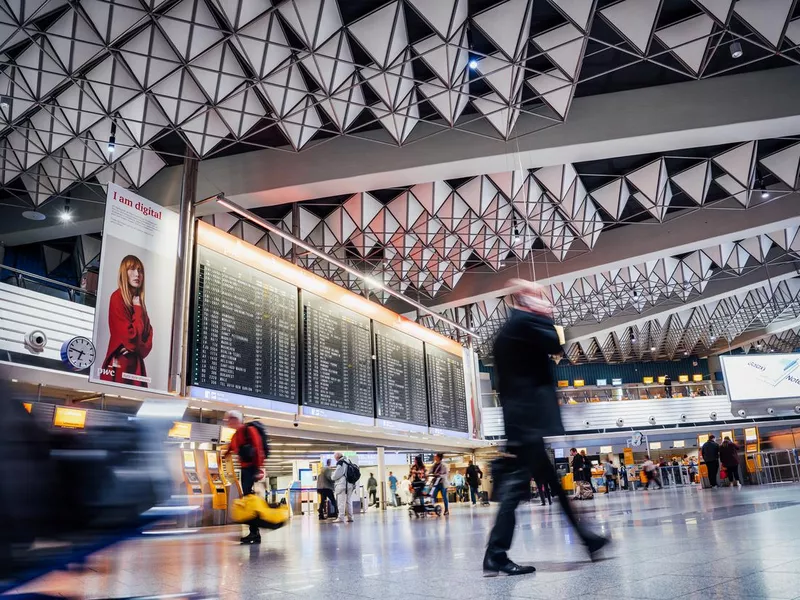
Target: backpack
{"type": "Point", "coordinates": [247, 452]}
{"type": "Point", "coordinates": [351, 473]}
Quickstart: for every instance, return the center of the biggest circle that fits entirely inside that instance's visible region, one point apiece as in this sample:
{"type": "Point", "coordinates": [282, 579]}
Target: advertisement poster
{"type": "Point", "coordinates": [135, 294]}
{"type": "Point", "coordinates": [762, 376]}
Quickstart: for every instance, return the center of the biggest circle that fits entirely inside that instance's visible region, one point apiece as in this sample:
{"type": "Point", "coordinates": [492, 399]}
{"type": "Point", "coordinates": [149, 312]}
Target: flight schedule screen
{"type": "Point", "coordinates": [400, 376]}
{"type": "Point", "coordinates": [337, 358]}
{"type": "Point", "coordinates": [445, 375]}
{"type": "Point", "coordinates": [244, 329]}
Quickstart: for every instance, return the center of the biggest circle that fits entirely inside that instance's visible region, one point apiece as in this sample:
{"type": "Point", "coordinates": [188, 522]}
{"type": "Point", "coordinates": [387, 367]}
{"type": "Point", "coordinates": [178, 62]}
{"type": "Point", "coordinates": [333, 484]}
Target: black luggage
{"type": "Point", "coordinates": [484, 498]}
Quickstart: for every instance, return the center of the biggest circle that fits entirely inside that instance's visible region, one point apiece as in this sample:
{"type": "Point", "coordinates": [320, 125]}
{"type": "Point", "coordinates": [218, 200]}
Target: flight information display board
{"type": "Point", "coordinates": [244, 329]}
{"type": "Point", "coordinates": [400, 376]}
{"type": "Point", "coordinates": [337, 358]}
{"type": "Point", "coordinates": [448, 398]}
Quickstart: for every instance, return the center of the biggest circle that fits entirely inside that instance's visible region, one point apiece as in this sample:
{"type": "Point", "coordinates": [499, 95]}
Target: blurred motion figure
{"type": "Point", "coordinates": [522, 351]}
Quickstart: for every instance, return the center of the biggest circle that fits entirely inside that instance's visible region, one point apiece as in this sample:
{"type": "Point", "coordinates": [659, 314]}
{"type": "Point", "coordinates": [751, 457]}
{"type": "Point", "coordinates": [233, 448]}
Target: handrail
{"type": "Point", "coordinates": [45, 280]}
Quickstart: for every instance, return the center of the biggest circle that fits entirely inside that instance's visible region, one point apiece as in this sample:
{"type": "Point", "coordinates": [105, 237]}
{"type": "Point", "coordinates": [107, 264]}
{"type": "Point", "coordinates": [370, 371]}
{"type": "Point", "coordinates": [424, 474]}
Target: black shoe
{"type": "Point", "coordinates": [543, 504]}
{"type": "Point", "coordinates": [596, 543]}
{"type": "Point", "coordinates": [493, 569]}
{"type": "Point", "coordinates": [251, 539]}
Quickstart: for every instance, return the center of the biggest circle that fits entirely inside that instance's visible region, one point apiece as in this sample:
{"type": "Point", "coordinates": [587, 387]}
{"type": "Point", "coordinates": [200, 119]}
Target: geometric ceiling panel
{"type": "Point", "coordinates": [229, 76]}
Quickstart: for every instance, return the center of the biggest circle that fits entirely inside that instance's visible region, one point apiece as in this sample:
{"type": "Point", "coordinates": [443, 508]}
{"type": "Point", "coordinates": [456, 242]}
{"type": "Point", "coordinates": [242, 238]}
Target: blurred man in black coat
{"type": "Point", "coordinates": [526, 388]}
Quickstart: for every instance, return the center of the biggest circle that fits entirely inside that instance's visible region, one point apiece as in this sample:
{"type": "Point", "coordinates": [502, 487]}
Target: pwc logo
{"type": "Point", "coordinates": [106, 372]}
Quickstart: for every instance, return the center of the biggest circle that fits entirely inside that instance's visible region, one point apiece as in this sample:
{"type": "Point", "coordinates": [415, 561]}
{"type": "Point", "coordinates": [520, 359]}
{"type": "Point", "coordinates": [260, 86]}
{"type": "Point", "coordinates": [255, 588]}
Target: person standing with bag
{"type": "Point", "coordinates": [345, 478]}
{"type": "Point", "coordinates": [526, 386]}
{"type": "Point", "coordinates": [248, 443]}
{"type": "Point", "coordinates": [474, 478]}
{"type": "Point", "coordinates": [729, 457]}
{"type": "Point", "coordinates": [710, 454]}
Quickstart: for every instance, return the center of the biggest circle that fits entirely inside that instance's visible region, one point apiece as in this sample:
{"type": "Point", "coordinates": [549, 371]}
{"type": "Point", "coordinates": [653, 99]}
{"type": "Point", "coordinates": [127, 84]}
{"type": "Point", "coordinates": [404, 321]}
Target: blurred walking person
{"type": "Point", "coordinates": [474, 478]}
{"type": "Point", "coordinates": [526, 387]}
{"type": "Point", "coordinates": [651, 473]}
{"type": "Point", "coordinates": [247, 443]}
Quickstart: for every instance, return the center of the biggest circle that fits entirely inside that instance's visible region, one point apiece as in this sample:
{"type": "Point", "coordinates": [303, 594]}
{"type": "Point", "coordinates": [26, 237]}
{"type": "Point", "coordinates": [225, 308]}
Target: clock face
{"type": "Point", "coordinates": [79, 353]}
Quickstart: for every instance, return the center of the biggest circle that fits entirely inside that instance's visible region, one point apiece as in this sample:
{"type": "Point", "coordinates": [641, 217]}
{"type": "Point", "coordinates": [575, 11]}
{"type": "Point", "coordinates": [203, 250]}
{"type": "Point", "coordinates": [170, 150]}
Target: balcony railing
{"type": "Point", "coordinates": [640, 392]}
{"type": "Point", "coordinates": [45, 285]}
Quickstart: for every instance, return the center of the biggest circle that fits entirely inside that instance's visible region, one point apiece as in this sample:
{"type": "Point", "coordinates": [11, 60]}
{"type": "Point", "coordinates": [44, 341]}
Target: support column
{"type": "Point", "coordinates": [180, 311]}
{"type": "Point", "coordinates": [381, 479]}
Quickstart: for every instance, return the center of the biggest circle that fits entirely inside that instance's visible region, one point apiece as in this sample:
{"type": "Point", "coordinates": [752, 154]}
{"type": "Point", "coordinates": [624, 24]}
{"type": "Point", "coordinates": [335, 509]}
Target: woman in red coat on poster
{"type": "Point", "coordinates": [131, 336]}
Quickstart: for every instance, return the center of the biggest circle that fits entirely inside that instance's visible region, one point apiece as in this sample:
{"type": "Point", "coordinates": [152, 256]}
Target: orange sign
{"type": "Point", "coordinates": [702, 439]}
{"type": "Point", "coordinates": [180, 430]}
{"type": "Point", "coordinates": [697, 378]}
{"type": "Point", "coordinates": [647, 380]}
{"type": "Point", "coordinates": [226, 435]}
{"type": "Point", "coordinates": [579, 383]}
{"type": "Point", "coordinates": [28, 406]}
{"type": "Point", "coordinates": [628, 456]}
{"type": "Point", "coordinates": [662, 379]}
{"type": "Point", "coordinates": [563, 383]}
{"type": "Point", "coordinates": [72, 418]}
{"type": "Point", "coordinates": [683, 378]}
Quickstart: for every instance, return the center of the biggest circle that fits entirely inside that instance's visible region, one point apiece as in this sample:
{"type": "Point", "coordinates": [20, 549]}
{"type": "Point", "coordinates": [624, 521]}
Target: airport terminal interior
{"type": "Point", "coordinates": [261, 260]}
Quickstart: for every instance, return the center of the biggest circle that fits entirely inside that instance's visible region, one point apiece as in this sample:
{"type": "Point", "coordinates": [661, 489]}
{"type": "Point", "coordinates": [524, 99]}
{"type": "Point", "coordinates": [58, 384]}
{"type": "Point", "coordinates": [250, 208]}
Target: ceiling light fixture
{"type": "Point", "coordinates": [652, 348]}
{"type": "Point", "coordinates": [762, 187]}
{"type": "Point", "coordinates": [264, 224]}
{"type": "Point", "coordinates": [112, 139]}
{"type": "Point", "coordinates": [736, 50]}
{"type": "Point", "coordinates": [6, 101]}
{"type": "Point", "coordinates": [66, 213]}
{"type": "Point", "coordinates": [473, 64]}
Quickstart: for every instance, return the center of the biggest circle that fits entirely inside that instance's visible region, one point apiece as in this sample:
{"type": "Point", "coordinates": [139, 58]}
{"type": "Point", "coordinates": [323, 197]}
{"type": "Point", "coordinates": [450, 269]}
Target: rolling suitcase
{"type": "Point", "coordinates": [583, 491]}
{"type": "Point", "coordinates": [484, 498]}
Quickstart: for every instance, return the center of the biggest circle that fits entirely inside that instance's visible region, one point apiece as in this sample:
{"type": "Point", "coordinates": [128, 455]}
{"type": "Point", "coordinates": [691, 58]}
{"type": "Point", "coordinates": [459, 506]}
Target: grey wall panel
{"type": "Point", "coordinates": [23, 311]}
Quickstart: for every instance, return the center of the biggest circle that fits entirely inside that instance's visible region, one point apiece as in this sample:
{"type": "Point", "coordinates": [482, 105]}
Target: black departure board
{"type": "Point", "coordinates": [448, 400]}
{"type": "Point", "coordinates": [337, 358]}
{"type": "Point", "coordinates": [244, 329]}
{"type": "Point", "coordinates": [400, 376]}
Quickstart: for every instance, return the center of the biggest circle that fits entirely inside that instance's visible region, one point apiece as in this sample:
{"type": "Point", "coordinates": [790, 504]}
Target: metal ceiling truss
{"type": "Point", "coordinates": [233, 75]}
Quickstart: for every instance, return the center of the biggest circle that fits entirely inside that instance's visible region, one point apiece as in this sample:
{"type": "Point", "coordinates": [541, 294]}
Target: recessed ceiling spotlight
{"type": "Point", "coordinates": [6, 102]}
{"type": "Point", "coordinates": [112, 139]}
{"type": "Point", "coordinates": [473, 64]}
{"type": "Point", "coordinates": [34, 215]}
{"type": "Point", "coordinates": [66, 213]}
{"type": "Point", "coordinates": [736, 50]}
{"type": "Point", "coordinates": [652, 348]}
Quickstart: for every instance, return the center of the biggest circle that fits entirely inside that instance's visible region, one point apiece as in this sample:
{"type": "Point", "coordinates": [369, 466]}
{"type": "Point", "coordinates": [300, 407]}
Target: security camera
{"type": "Point", "coordinates": [36, 341]}
{"type": "Point", "coordinates": [295, 423]}
{"type": "Point", "coordinates": [797, 409]}
{"type": "Point", "coordinates": [683, 417]}
{"type": "Point", "coordinates": [770, 411]}
{"type": "Point", "coordinates": [713, 416]}
{"type": "Point", "coordinates": [620, 422]}
{"type": "Point", "coordinates": [742, 413]}
{"type": "Point", "coordinates": [586, 423]}
{"type": "Point", "coordinates": [652, 420]}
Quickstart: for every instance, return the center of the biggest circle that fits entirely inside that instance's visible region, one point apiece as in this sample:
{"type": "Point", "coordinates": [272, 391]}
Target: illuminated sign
{"type": "Point", "coordinates": [679, 444]}
{"type": "Point", "coordinates": [751, 434]}
{"type": "Point", "coordinates": [647, 380]}
{"type": "Point", "coordinates": [683, 378]}
{"type": "Point", "coordinates": [762, 376]}
{"type": "Point", "coordinates": [71, 418]}
{"type": "Point", "coordinates": [188, 459]}
{"type": "Point", "coordinates": [606, 449]}
{"type": "Point", "coordinates": [211, 460]}
{"type": "Point", "coordinates": [616, 381]}
{"type": "Point", "coordinates": [602, 382]}
{"type": "Point", "coordinates": [697, 378]}
{"type": "Point", "coordinates": [180, 430]}
{"type": "Point", "coordinates": [226, 435]}
{"type": "Point", "coordinates": [28, 406]}
{"type": "Point", "coordinates": [655, 445]}
{"type": "Point", "coordinates": [728, 434]}
{"type": "Point", "coordinates": [579, 383]}
{"type": "Point", "coordinates": [628, 452]}
{"type": "Point", "coordinates": [563, 383]}
{"type": "Point", "coordinates": [702, 439]}
{"type": "Point", "coordinates": [662, 379]}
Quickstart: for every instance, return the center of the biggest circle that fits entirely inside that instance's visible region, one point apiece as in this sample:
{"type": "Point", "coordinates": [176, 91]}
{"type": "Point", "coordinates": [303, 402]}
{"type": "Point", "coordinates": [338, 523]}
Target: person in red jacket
{"type": "Point", "coordinates": [131, 335]}
{"type": "Point", "coordinates": [246, 442]}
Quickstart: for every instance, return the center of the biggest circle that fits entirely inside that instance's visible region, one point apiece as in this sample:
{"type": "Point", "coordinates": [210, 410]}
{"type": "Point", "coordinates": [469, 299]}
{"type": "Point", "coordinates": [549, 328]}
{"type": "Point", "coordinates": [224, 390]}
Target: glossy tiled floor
{"type": "Point", "coordinates": [688, 544]}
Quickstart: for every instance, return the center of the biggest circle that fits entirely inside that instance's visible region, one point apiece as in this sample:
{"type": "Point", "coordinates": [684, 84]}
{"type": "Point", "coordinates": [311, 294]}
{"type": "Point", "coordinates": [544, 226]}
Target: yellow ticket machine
{"type": "Point", "coordinates": [194, 487]}
{"type": "Point", "coordinates": [752, 447]}
{"type": "Point", "coordinates": [219, 493]}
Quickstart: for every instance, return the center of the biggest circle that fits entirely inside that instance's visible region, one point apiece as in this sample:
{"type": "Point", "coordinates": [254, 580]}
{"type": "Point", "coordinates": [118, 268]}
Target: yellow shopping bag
{"type": "Point", "coordinates": [254, 510]}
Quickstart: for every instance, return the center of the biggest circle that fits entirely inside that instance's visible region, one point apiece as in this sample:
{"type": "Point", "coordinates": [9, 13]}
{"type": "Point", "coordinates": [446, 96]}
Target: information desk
{"type": "Point", "coordinates": [400, 376]}
{"type": "Point", "coordinates": [337, 357]}
{"type": "Point", "coordinates": [245, 329]}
